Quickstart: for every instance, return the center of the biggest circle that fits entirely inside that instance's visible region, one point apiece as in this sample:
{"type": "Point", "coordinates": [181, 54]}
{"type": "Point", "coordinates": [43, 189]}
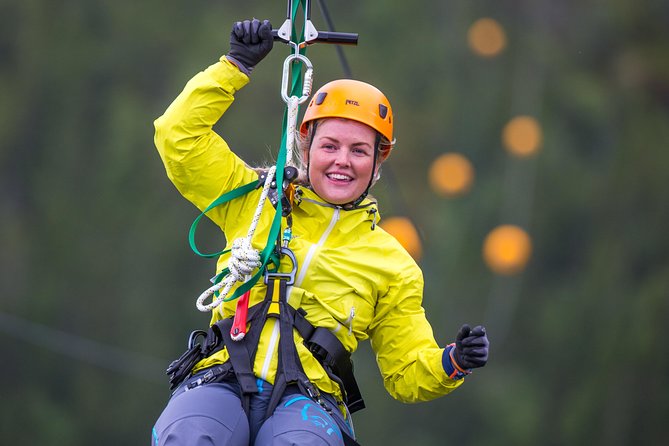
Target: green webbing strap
{"type": "Point", "coordinates": [269, 253]}
{"type": "Point", "coordinates": [228, 196]}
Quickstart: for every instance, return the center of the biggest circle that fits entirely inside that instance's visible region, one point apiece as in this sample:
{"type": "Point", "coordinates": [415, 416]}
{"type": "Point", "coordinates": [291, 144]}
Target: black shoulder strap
{"type": "Point", "coordinates": [334, 357]}
{"type": "Point", "coordinates": [239, 357]}
{"type": "Point", "coordinates": [289, 368]}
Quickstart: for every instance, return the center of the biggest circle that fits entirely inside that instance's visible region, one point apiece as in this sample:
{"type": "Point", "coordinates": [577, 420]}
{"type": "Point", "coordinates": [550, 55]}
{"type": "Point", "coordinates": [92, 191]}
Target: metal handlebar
{"type": "Point", "coordinates": [324, 37]}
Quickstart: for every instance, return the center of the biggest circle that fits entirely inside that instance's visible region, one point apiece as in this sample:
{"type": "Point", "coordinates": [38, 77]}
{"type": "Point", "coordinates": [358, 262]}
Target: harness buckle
{"type": "Point", "coordinates": [212, 375]}
{"type": "Point", "coordinates": [313, 392]}
{"type": "Point", "coordinates": [288, 277]}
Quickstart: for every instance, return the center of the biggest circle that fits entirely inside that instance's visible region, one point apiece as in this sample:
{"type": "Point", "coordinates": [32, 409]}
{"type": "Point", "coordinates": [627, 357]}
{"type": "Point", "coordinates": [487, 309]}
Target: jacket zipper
{"type": "Point", "coordinates": [312, 250]}
{"type": "Point", "coordinates": [303, 270]}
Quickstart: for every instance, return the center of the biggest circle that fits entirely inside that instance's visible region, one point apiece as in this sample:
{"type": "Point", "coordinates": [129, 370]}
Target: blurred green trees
{"type": "Point", "coordinates": [98, 283]}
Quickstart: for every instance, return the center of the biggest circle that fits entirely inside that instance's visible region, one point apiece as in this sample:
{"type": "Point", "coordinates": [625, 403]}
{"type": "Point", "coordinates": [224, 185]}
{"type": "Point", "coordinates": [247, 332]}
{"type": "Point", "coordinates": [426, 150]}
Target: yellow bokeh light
{"type": "Point", "coordinates": [507, 249]}
{"type": "Point", "coordinates": [405, 232]}
{"type": "Point", "coordinates": [486, 37]}
{"type": "Point", "coordinates": [522, 136]}
{"type": "Point", "coordinates": [451, 174]}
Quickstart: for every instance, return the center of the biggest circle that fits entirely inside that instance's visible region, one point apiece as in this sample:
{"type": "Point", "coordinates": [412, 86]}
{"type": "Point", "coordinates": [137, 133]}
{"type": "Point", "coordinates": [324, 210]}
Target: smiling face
{"type": "Point", "coordinates": [341, 159]}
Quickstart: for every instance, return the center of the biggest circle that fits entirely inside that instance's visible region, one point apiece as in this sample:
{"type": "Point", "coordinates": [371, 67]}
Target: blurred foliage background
{"type": "Point", "coordinates": [98, 283]}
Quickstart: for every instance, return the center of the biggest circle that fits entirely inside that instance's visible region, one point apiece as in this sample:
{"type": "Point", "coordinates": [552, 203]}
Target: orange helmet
{"type": "Point", "coordinates": [351, 99]}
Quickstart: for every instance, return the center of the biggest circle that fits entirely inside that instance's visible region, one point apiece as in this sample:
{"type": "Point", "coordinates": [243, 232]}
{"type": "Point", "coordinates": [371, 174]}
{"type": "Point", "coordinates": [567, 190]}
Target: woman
{"type": "Point", "coordinates": [348, 280]}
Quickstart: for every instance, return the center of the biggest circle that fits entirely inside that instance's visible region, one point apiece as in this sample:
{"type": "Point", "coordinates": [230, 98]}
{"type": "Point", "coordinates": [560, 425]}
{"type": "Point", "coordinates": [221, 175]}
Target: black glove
{"type": "Point", "coordinates": [250, 42]}
{"type": "Point", "coordinates": [471, 347]}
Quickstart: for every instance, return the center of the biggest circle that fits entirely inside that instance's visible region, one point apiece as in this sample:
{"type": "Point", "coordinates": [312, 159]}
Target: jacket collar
{"type": "Point", "coordinates": [315, 207]}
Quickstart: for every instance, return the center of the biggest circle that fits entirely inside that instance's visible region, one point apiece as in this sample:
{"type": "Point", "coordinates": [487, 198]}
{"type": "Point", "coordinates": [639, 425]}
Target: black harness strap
{"type": "Point", "coordinates": [289, 368]}
{"type": "Point", "coordinates": [242, 353]}
{"type": "Point", "coordinates": [334, 358]}
{"type": "Point", "coordinates": [239, 357]}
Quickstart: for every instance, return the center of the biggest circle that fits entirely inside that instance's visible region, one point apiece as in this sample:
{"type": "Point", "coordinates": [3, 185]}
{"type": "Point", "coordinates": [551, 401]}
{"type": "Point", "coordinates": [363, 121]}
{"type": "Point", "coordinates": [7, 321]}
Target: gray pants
{"type": "Point", "coordinates": [212, 415]}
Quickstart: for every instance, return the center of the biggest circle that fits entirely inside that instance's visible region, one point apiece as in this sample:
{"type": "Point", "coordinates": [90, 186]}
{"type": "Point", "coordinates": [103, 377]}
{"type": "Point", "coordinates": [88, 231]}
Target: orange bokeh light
{"type": "Point", "coordinates": [451, 174]}
{"type": "Point", "coordinates": [507, 249]}
{"type": "Point", "coordinates": [405, 232]}
{"type": "Point", "coordinates": [486, 37]}
{"type": "Point", "coordinates": [522, 136]}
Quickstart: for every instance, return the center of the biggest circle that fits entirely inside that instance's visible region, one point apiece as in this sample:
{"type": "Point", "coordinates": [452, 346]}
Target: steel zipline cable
{"type": "Point", "coordinates": [115, 359]}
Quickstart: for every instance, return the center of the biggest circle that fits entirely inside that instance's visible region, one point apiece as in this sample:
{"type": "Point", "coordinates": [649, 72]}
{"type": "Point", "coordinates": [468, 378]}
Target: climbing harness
{"type": "Point", "coordinates": [321, 342]}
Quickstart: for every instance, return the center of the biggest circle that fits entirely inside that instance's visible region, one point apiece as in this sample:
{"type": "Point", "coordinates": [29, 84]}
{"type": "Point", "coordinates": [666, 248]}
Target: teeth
{"type": "Point", "coordinates": [336, 176]}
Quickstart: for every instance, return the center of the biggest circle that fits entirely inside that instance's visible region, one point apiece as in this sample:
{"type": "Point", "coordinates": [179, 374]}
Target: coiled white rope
{"type": "Point", "coordinates": [243, 257]}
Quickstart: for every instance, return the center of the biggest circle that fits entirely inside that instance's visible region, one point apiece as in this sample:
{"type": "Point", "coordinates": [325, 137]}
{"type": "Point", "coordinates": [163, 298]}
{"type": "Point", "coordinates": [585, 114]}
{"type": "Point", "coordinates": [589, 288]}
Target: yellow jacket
{"type": "Point", "coordinates": [355, 280]}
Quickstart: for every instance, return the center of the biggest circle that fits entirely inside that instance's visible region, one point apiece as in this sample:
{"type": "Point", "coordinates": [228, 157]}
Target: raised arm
{"type": "Point", "coordinates": [197, 160]}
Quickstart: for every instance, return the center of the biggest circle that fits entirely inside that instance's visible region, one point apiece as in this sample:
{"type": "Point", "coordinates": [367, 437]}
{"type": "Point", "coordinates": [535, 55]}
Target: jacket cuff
{"type": "Point", "coordinates": [452, 369]}
{"type": "Point", "coordinates": [239, 65]}
{"type": "Point", "coordinates": [227, 74]}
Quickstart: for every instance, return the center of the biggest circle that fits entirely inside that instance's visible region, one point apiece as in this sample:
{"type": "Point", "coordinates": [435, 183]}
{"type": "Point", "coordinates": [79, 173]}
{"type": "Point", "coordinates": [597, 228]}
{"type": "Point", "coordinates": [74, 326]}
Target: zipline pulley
{"type": "Point", "coordinates": [311, 34]}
